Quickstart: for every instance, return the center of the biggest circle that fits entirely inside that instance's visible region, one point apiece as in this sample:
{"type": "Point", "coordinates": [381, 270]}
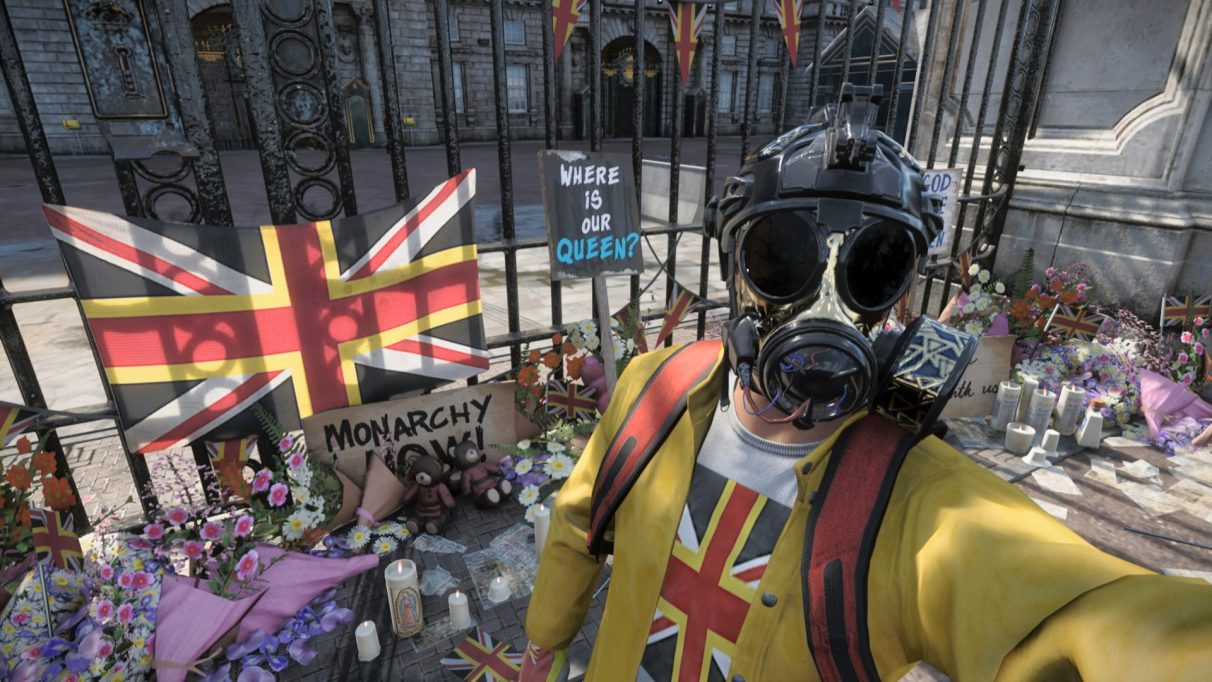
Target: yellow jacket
{"type": "Point", "coordinates": [968, 574]}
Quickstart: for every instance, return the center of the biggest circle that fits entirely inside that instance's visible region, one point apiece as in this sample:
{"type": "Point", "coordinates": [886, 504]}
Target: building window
{"type": "Point", "coordinates": [728, 46]}
{"type": "Point", "coordinates": [733, 6]}
{"type": "Point", "coordinates": [727, 83]}
{"type": "Point", "coordinates": [515, 32]}
{"type": "Point", "coordinates": [518, 86]}
{"type": "Point", "coordinates": [766, 92]}
{"type": "Point", "coordinates": [458, 87]}
{"type": "Point", "coordinates": [453, 25]}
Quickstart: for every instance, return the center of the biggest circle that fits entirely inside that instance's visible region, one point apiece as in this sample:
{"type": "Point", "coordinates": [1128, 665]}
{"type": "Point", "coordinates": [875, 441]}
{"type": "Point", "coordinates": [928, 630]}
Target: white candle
{"type": "Point", "coordinates": [1069, 409]}
{"type": "Point", "coordinates": [498, 590]}
{"type": "Point", "coordinates": [367, 637]}
{"type": "Point", "coordinates": [1039, 416]}
{"type": "Point", "coordinates": [1051, 440]}
{"type": "Point", "coordinates": [1018, 437]}
{"type": "Point", "coordinates": [404, 598]}
{"type": "Point", "coordinates": [1007, 404]}
{"type": "Point", "coordinates": [1090, 435]}
{"type": "Point", "coordinates": [460, 614]}
{"type": "Point", "coordinates": [1036, 458]}
{"type": "Point", "coordinates": [542, 521]}
{"type": "Point", "coordinates": [1024, 402]}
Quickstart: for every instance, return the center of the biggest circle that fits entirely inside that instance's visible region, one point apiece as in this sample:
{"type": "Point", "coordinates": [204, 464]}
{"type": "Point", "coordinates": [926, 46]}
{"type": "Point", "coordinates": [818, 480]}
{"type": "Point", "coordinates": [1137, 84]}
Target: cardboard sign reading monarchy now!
{"type": "Point", "coordinates": [424, 425]}
{"type": "Point", "coordinates": [593, 219]}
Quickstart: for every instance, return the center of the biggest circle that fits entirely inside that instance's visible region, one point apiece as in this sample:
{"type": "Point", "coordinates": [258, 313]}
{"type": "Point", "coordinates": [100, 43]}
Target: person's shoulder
{"type": "Point", "coordinates": [643, 367]}
{"type": "Point", "coordinates": [936, 464]}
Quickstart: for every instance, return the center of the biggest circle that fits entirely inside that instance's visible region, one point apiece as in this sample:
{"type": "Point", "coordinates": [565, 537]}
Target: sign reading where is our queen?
{"type": "Point", "coordinates": [593, 219]}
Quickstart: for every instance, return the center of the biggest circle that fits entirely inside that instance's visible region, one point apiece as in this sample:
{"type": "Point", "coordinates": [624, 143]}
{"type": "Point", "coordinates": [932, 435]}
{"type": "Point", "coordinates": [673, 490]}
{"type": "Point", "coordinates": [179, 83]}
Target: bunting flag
{"type": "Point", "coordinates": [1181, 312]}
{"type": "Point", "coordinates": [564, 17]}
{"type": "Point", "coordinates": [15, 420]}
{"type": "Point", "coordinates": [687, 20]}
{"type": "Point", "coordinates": [680, 304]}
{"type": "Point", "coordinates": [964, 264]}
{"type": "Point", "coordinates": [228, 458]}
{"type": "Point", "coordinates": [194, 324]}
{"type": "Point", "coordinates": [481, 659]}
{"type": "Point", "coordinates": [571, 401]}
{"type": "Point", "coordinates": [624, 318]}
{"type": "Point", "coordinates": [55, 538]}
{"type": "Point", "coordinates": [1075, 323]}
{"type": "Point", "coordinates": [788, 12]}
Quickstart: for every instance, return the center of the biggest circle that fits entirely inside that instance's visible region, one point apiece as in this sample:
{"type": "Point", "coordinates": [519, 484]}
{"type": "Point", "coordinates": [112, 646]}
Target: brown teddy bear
{"type": "Point", "coordinates": [429, 496]}
{"type": "Point", "coordinates": [478, 477]}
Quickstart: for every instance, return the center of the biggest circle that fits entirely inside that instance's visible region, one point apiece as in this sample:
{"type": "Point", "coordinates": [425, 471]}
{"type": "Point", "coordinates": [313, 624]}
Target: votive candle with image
{"type": "Point", "coordinates": [404, 598]}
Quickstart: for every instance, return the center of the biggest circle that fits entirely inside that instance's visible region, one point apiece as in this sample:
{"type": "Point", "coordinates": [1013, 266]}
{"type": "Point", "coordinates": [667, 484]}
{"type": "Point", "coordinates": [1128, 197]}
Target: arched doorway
{"type": "Point", "coordinates": [618, 88]}
{"type": "Point", "coordinates": [222, 77]}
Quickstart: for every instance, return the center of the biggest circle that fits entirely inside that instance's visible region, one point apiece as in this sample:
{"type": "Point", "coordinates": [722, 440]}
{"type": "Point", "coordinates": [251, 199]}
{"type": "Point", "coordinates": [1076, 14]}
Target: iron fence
{"type": "Point", "coordinates": [303, 144]}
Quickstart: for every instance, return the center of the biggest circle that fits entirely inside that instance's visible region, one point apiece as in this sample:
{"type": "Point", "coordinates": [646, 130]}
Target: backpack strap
{"type": "Point", "coordinates": [653, 414]}
{"type": "Point", "coordinates": [845, 518]}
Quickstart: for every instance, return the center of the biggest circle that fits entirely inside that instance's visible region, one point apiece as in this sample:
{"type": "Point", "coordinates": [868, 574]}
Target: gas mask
{"type": "Point", "coordinates": [819, 236]}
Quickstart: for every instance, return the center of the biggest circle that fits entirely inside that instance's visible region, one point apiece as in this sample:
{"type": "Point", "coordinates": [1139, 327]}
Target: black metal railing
{"type": "Point", "coordinates": [280, 130]}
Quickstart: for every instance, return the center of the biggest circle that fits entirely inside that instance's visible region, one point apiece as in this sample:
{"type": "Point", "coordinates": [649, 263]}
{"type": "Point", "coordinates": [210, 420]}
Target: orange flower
{"type": "Point", "coordinates": [575, 365]}
{"type": "Point", "coordinates": [528, 375]}
{"type": "Point", "coordinates": [569, 349]}
{"type": "Point", "coordinates": [532, 356]}
{"type": "Point", "coordinates": [23, 516]}
{"type": "Point", "coordinates": [551, 360]}
{"type": "Point", "coordinates": [44, 463]}
{"type": "Point", "coordinates": [1031, 294]}
{"type": "Point", "coordinates": [1020, 309]}
{"type": "Point", "coordinates": [23, 445]}
{"type": "Point", "coordinates": [1046, 302]}
{"type": "Point", "coordinates": [1068, 297]}
{"type": "Point", "coordinates": [19, 477]}
{"type": "Point", "coordinates": [557, 339]}
{"type": "Point", "coordinates": [1056, 284]}
{"type": "Point", "coordinates": [58, 493]}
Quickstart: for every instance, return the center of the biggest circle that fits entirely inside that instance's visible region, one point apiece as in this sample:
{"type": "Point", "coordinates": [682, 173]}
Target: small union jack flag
{"type": "Point", "coordinates": [482, 659]}
{"type": "Point", "coordinates": [788, 12]}
{"type": "Point", "coordinates": [228, 458]}
{"type": "Point", "coordinates": [1075, 323]}
{"type": "Point", "coordinates": [624, 318]}
{"type": "Point", "coordinates": [679, 304]}
{"type": "Point", "coordinates": [564, 17]}
{"type": "Point", "coordinates": [686, 19]}
{"type": "Point", "coordinates": [964, 264]}
{"type": "Point", "coordinates": [1181, 312]}
{"type": "Point", "coordinates": [570, 401]}
{"type": "Point", "coordinates": [55, 538]}
{"type": "Point", "coordinates": [14, 421]}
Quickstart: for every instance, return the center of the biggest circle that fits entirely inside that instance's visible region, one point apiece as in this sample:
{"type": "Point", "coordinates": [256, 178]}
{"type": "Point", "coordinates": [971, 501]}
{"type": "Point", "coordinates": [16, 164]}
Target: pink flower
{"type": "Point", "coordinates": [32, 653]}
{"type": "Point", "coordinates": [211, 531]}
{"type": "Point", "coordinates": [154, 531]}
{"type": "Point", "coordinates": [105, 609]}
{"type": "Point", "coordinates": [244, 526]}
{"type": "Point", "coordinates": [261, 480]}
{"type": "Point", "coordinates": [295, 460]}
{"type": "Point", "coordinates": [277, 495]}
{"type": "Point", "coordinates": [107, 573]}
{"type": "Point", "coordinates": [247, 566]}
{"type": "Point", "coordinates": [193, 549]}
{"type": "Point", "coordinates": [1081, 287]}
{"type": "Point", "coordinates": [1036, 287]}
{"type": "Point", "coordinates": [1199, 348]}
{"type": "Point", "coordinates": [140, 580]}
{"type": "Point", "coordinates": [125, 580]}
{"type": "Point", "coordinates": [285, 443]}
{"type": "Point", "coordinates": [126, 613]}
{"type": "Point", "coordinates": [1049, 272]}
{"type": "Point", "coordinates": [21, 618]}
{"type": "Point", "coordinates": [1199, 322]}
{"type": "Point", "coordinates": [1186, 337]}
{"type": "Point", "coordinates": [1183, 358]}
{"type": "Point", "coordinates": [105, 648]}
{"type": "Point", "coordinates": [177, 516]}
{"type": "Point", "coordinates": [1188, 378]}
{"type": "Point", "coordinates": [1204, 332]}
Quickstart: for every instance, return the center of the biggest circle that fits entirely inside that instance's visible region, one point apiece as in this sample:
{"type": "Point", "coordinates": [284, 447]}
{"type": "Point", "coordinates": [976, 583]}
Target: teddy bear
{"type": "Point", "coordinates": [478, 477]}
{"type": "Point", "coordinates": [429, 496]}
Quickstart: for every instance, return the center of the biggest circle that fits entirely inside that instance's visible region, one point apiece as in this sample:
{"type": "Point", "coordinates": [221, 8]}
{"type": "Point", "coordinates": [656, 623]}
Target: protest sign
{"type": "Point", "coordinates": [944, 182]}
{"type": "Point", "coordinates": [977, 390]}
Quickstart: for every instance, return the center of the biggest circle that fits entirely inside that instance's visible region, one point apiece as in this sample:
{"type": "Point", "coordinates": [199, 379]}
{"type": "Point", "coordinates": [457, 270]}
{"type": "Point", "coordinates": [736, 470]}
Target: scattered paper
{"type": "Point", "coordinates": [1191, 467]}
{"type": "Point", "coordinates": [511, 554]}
{"type": "Point", "coordinates": [1142, 470]}
{"type": "Point", "coordinates": [1122, 442]}
{"type": "Point", "coordinates": [1187, 573]}
{"type": "Point", "coordinates": [1103, 471]}
{"type": "Point", "coordinates": [1056, 510]}
{"type": "Point", "coordinates": [1151, 498]}
{"type": "Point", "coordinates": [437, 580]}
{"type": "Point", "coordinates": [438, 545]}
{"type": "Point", "coordinates": [1195, 498]}
{"type": "Point", "coordinates": [1055, 479]}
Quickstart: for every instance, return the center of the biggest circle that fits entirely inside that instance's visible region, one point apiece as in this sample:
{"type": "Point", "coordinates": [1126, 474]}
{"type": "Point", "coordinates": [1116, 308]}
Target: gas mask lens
{"type": "Point", "coordinates": [876, 265]}
{"type": "Point", "coordinates": [780, 256]}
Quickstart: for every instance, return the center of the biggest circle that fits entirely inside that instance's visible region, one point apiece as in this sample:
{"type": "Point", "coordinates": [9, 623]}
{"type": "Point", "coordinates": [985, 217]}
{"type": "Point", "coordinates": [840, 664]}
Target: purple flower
{"type": "Point", "coordinates": [211, 531]}
{"type": "Point", "coordinates": [247, 566]}
{"type": "Point", "coordinates": [1183, 358]}
{"type": "Point", "coordinates": [1049, 272]}
{"type": "Point", "coordinates": [154, 531]}
{"type": "Point", "coordinates": [255, 674]}
{"type": "Point", "coordinates": [278, 663]}
{"type": "Point", "coordinates": [261, 480]}
{"type": "Point", "coordinates": [336, 618]}
{"type": "Point", "coordinates": [299, 651]}
{"type": "Point", "coordinates": [244, 526]}
{"type": "Point", "coordinates": [277, 494]}
{"type": "Point", "coordinates": [177, 516]}
{"type": "Point", "coordinates": [286, 443]}
{"type": "Point", "coordinates": [193, 549]}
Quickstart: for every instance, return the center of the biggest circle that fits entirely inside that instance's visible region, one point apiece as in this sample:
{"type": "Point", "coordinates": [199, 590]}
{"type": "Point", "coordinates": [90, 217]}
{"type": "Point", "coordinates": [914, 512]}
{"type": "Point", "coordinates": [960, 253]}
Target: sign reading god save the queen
{"type": "Point", "coordinates": [593, 220]}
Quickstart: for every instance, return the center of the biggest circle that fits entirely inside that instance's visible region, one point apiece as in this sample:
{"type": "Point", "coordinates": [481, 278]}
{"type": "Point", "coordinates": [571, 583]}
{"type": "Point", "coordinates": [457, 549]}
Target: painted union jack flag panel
{"type": "Point", "coordinates": [194, 324]}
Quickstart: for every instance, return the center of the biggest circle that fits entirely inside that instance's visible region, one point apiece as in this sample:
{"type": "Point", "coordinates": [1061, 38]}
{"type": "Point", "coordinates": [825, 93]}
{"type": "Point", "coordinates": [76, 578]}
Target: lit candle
{"type": "Point", "coordinates": [498, 590]}
{"type": "Point", "coordinates": [1040, 414]}
{"type": "Point", "coordinates": [1069, 409]}
{"type": "Point", "coordinates": [404, 598]}
{"type": "Point", "coordinates": [1019, 437]}
{"type": "Point", "coordinates": [460, 614]}
{"type": "Point", "coordinates": [1024, 402]}
{"type": "Point", "coordinates": [542, 521]}
{"type": "Point", "coordinates": [367, 637]}
{"type": "Point", "coordinates": [1007, 404]}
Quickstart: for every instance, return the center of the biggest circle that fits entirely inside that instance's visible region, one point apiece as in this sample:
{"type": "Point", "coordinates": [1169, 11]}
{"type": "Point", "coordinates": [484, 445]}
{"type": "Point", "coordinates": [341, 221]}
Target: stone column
{"type": "Point", "coordinates": [370, 68]}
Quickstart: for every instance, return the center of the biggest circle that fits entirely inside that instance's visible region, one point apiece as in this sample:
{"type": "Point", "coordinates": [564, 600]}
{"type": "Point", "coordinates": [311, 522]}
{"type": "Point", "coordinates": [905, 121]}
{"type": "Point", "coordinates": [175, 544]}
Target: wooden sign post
{"type": "Point", "coordinates": [593, 226]}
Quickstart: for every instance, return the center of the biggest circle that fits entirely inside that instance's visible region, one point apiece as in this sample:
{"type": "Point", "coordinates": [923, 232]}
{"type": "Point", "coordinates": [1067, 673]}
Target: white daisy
{"type": "Point", "coordinates": [619, 348]}
{"type": "Point", "coordinates": [529, 495]}
{"type": "Point", "coordinates": [385, 545]}
{"type": "Point", "coordinates": [999, 288]}
{"type": "Point", "coordinates": [976, 288]}
{"type": "Point", "coordinates": [524, 444]}
{"type": "Point", "coordinates": [559, 466]}
{"type": "Point", "coordinates": [973, 269]}
{"type": "Point", "coordinates": [302, 495]}
{"type": "Point", "coordinates": [983, 277]}
{"type": "Point", "coordinates": [588, 327]}
{"type": "Point", "coordinates": [592, 342]}
{"type": "Point", "coordinates": [523, 466]}
{"type": "Point", "coordinates": [530, 512]}
{"type": "Point", "coordinates": [358, 537]}
{"type": "Point", "coordinates": [556, 448]}
{"type": "Point", "coordinates": [294, 526]}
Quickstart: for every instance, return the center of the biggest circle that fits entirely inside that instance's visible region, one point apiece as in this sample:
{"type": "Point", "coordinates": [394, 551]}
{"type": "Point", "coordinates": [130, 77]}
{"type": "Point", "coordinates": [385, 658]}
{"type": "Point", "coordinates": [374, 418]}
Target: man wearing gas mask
{"type": "Point", "coordinates": [776, 506]}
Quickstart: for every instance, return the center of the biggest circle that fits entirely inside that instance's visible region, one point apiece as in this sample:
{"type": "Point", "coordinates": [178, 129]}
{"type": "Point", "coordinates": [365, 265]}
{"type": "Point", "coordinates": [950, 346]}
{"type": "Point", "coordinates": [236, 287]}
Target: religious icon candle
{"type": "Point", "coordinates": [460, 613]}
{"type": "Point", "coordinates": [404, 598]}
{"type": "Point", "coordinates": [1024, 401]}
{"type": "Point", "coordinates": [1006, 405]}
{"type": "Point", "coordinates": [1039, 416]}
{"type": "Point", "coordinates": [367, 637]}
{"type": "Point", "coordinates": [1069, 409]}
{"type": "Point", "coordinates": [542, 521]}
{"type": "Point", "coordinates": [1019, 437]}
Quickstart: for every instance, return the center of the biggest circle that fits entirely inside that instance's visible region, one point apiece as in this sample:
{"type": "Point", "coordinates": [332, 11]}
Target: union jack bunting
{"type": "Point", "coordinates": [570, 401]}
{"type": "Point", "coordinates": [1181, 312]}
{"type": "Point", "coordinates": [194, 324]}
{"type": "Point", "coordinates": [687, 20]}
{"type": "Point", "coordinates": [55, 538]}
{"type": "Point", "coordinates": [680, 304]}
{"type": "Point", "coordinates": [228, 458]}
{"type": "Point", "coordinates": [1075, 323]}
{"type": "Point", "coordinates": [624, 318]}
{"type": "Point", "coordinates": [482, 659]}
{"type": "Point", "coordinates": [564, 17]}
{"type": "Point", "coordinates": [15, 420]}
{"type": "Point", "coordinates": [788, 12]}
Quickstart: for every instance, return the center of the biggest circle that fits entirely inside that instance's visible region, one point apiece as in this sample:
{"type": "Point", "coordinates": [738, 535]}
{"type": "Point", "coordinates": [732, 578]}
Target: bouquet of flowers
{"type": "Point", "coordinates": [1030, 308]}
{"type": "Point", "coordinates": [1105, 371]}
{"type": "Point", "coordinates": [537, 466]}
{"type": "Point", "coordinates": [978, 309]}
{"type": "Point", "coordinates": [16, 489]}
{"type": "Point", "coordinates": [1186, 356]}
